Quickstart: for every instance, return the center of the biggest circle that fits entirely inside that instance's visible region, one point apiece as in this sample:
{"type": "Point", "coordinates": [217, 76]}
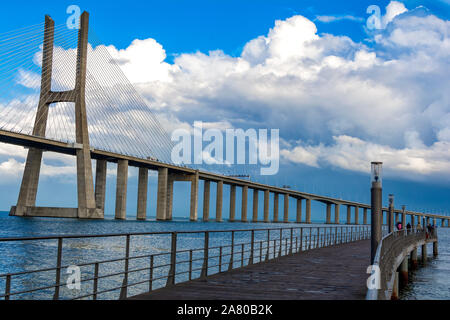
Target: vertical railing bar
{"type": "Point", "coordinates": [301, 239]}
{"type": "Point", "coordinates": [242, 255]}
{"type": "Point", "coordinates": [220, 259]}
{"type": "Point", "coordinates": [150, 282]}
{"type": "Point", "coordinates": [281, 242]}
{"type": "Point", "coordinates": [206, 256]}
{"type": "Point", "coordinates": [58, 269]}
{"type": "Point", "coordinates": [8, 287]}
{"type": "Point", "coordinates": [95, 280]}
{"type": "Point", "coordinates": [173, 260]}
{"type": "Point", "coordinates": [124, 289]}
{"type": "Point", "coordinates": [268, 245]}
{"type": "Point", "coordinates": [252, 247]}
{"type": "Point", "coordinates": [230, 267]}
{"type": "Point", "coordinates": [292, 234]}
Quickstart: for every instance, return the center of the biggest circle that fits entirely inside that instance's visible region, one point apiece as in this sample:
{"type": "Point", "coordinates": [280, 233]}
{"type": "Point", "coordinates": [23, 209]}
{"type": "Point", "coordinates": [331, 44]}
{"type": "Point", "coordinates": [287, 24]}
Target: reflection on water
{"type": "Point", "coordinates": [431, 282]}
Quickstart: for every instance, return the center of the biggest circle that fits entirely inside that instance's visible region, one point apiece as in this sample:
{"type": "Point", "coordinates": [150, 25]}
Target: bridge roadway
{"type": "Point", "coordinates": [70, 149]}
{"type": "Point", "coordinates": [330, 273]}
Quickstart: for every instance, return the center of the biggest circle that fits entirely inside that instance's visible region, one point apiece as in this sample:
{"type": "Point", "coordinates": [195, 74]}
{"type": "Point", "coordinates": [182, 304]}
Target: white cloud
{"type": "Point", "coordinates": [331, 93]}
{"type": "Point", "coordinates": [334, 18]}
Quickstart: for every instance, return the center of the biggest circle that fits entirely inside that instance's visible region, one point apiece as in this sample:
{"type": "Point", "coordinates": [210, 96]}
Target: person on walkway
{"type": "Point", "coordinates": [408, 227]}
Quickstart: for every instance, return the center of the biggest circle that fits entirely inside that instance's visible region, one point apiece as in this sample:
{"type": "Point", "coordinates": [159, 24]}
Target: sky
{"type": "Point", "coordinates": [341, 94]}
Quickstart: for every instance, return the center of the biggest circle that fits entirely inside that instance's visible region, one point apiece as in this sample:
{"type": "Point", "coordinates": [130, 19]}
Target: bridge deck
{"type": "Point", "coordinates": [327, 273]}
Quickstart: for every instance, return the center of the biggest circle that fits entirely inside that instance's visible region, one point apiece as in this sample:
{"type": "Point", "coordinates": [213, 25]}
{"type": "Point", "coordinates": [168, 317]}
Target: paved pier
{"type": "Point", "coordinates": [322, 274]}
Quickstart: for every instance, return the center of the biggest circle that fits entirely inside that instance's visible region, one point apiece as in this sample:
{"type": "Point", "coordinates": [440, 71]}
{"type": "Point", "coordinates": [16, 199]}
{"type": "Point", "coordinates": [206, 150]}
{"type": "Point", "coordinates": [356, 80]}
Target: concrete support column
{"type": "Point", "coordinates": [161, 202]}
{"type": "Point", "coordinates": [255, 205]}
{"type": "Point", "coordinates": [424, 253]}
{"type": "Point", "coordinates": [169, 195]}
{"type": "Point", "coordinates": [121, 189]}
{"type": "Point", "coordinates": [299, 210]}
{"type": "Point", "coordinates": [403, 217]}
{"type": "Point", "coordinates": [100, 184]}
{"type": "Point", "coordinates": [206, 197]}
{"type": "Point", "coordinates": [275, 207]}
{"type": "Point", "coordinates": [286, 208]}
{"type": "Point", "coordinates": [414, 263]}
{"type": "Point", "coordinates": [413, 223]}
{"type": "Point", "coordinates": [356, 215]}
{"type": "Point", "coordinates": [244, 203]}
{"type": "Point", "coordinates": [349, 214]}
{"type": "Point", "coordinates": [404, 272]}
{"type": "Point", "coordinates": [266, 206]}
{"type": "Point", "coordinates": [435, 249]}
{"type": "Point", "coordinates": [232, 203]}
{"type": "Point", "coordinates": [219, 201]}
{"type": "Point", "coordinates": [142, 194]}
{"type": "Point", "coordinates": [308, 211]}
{"type": "Point", "coordinates": [328, 218]}
{"type": "Point", "coordinates": [365, 216]}
{"type": "Point", "coordinates": [336, 213]}
{"type": "Point", "coordinates": [194, 197]}
{"type": "Point", "coordinates": [395, 288]}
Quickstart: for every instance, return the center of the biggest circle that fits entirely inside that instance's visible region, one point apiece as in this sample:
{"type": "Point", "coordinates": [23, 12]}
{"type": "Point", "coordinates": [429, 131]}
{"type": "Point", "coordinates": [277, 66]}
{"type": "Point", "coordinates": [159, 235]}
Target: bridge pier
{"type": "Point", "coordinates": [328, 217]}
{"type": "Point", "coordinates": [244, 203]}
{"type": "Point", "coordinates": [286, 208]}
{"type": "Point", "coordinates": [255, 205]}
{"type": "Point", "coordinates": [100, 184]}
{"type": "Point", "coordinates": [299, 210]}
{"type": "Point", "coordinates": [336, 213]}
{"type": "Point", "coordinates": [266, 206]}
{"type": "Point", "coordinates": [404, 272]}
{"type": "Point", "coordinates": [121, 189]}
{"type": "Point", "coordinates": [142, 194]}
{"type": "Point", "coordinates": [275, 206]}
{"type": "Point", "coordinates": [356, 215]}
{"type": "Point", "coordinates": [232, 203]}
{"type": "Point", "coordinates": [169, 197]}
{"type": "Point", "coordinates": [308, 211]}
{"type": "Point", "coordinates": [435, 249]}
{"type": "Point", "coordinates": [365, 216]}
{"type": "Point", "coordinates": [219, 201]}
{"type": "Point", "coordinates": [206, 198]}
{"type": "Point", "coordinates": [414, 263]}
{"type": "Point", "coordinates": [395, 288]}
{"type": "Point", "coordinates": [349, 214]}
{"type": "Point", "coordinates": [424, 253]}
{"type": "Point", "coordinates": [194, 197]}
{"type": "Point", "coordinates": [161, 203]}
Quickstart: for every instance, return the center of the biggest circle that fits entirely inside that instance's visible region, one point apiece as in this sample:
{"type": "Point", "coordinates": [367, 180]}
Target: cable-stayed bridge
{"type": "Point", "coordinates": [61, 90]}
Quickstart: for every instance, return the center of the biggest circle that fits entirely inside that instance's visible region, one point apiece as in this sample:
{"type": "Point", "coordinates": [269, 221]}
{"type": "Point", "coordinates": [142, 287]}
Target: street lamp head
{"type": "Point", "coordinates": [391, 199]}
{"type": "Point", "coordinates": [377, 172]}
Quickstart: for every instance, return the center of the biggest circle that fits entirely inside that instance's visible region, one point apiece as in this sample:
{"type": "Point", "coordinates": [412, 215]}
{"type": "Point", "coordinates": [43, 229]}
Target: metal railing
{"type": "Point", "coordinates": [221, 251]}
{"type": "Point", "coordinates": [390, 248]}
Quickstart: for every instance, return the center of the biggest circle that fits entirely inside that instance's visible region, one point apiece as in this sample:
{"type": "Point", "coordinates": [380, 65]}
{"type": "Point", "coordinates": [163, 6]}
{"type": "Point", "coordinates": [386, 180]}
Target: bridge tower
{"type": "Point", "coordinates": [26, 204]}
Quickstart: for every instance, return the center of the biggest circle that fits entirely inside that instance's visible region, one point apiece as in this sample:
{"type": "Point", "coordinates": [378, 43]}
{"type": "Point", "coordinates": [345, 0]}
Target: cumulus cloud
{"type": "Point", "coordinates": [343, 100]}
{"type": "Point", "coordinates": [335, 18]}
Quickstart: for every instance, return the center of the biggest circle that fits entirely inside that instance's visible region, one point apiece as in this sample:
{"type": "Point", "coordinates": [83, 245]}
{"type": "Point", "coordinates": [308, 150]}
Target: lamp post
{"type": "Point", "coordinates": [391, 213]}
{"type": "Point", "coordinates": [376, 206]}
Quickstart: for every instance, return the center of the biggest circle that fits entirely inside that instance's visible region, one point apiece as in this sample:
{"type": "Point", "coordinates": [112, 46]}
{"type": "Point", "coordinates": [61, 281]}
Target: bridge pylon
{"type": "Point", "coordinates": [26, 203]}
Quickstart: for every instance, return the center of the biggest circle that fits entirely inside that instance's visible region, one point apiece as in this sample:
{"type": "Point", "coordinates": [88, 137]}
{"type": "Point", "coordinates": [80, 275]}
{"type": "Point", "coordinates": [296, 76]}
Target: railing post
{"type": "Point", "coordinates": [58, 269]}
{"type": "Point", "coordinates": [252, 247]}
{"type": "Point", "coordinates": [242, 255]}
{"type": "Point", "coordinates": [8, 287]}
{"type": "Point", "coordinates": [124, 289]}
{"type": "Point", "coordinates": [310, 238]}
{"type": "Point", "coordinates": [292, 235]}
{"type": "Point", "coordinates": [95, 281]}
{"type": "Point", "coordinates": [301, 239]}
{"type": "Point", "coordinates": [173, 261]}
{"type": "Point", "coordinates": [206, 256]}
{"type": "Point", "coordinates": [268, 245]}
{"type": "Point", "coordinates": [220, 259]}
{"type": "Point", "coordinates": [281, 242]}
{"type": "Point", "coordinates": [150, 281]}
{"type": "Point", "coordinates": [230, 267]}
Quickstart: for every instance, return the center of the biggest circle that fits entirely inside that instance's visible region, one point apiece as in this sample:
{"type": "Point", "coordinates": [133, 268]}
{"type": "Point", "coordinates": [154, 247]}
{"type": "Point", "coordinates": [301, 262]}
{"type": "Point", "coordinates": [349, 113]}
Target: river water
{"type": "Point", "coordinates": [430, 282]}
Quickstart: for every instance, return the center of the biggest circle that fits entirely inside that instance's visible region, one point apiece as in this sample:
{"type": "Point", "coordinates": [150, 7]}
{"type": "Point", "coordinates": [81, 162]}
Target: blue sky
{"type": "Point", "coordinates": [323, 127]}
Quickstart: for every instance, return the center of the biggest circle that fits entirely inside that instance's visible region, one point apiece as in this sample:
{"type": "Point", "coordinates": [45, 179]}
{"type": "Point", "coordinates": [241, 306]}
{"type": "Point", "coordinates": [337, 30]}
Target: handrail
{"type": "Point", "coordinates": [270, 244]}
{"type": "Point", "coordinates": [390, 247]}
